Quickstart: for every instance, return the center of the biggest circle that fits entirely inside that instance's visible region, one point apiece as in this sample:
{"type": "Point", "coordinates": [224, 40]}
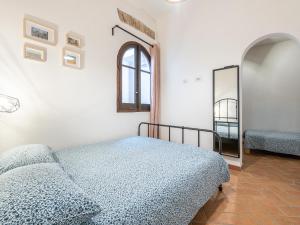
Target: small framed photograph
{"type": "Point", "coordinates": [35, 52]}
{"type": "Point", "coordinates": [72, 58]}
{"type": "Point", "coordinates": [40, 31]}
{"type": "Point", "coordinates": [74, 40]}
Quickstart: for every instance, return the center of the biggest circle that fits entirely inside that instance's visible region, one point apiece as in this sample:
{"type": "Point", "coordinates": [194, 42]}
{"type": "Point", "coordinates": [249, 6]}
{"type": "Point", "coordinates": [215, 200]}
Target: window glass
{"type": "Point", "coordinates": [145, 64]}
{"type": "Point", "coordinates": [129, 58]}
{"type": "Point", "coordinates": [145, 88]}
{"type": "Point", "coordinates": [128, 85]}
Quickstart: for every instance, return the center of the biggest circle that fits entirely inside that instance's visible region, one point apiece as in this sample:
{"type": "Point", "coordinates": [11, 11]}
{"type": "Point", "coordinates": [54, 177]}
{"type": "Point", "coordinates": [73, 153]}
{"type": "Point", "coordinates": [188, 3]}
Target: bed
{"type": "Point", "coordinates": [273, 141]}
{"type": "Point", "coordinates": [136, 180]}
{"type": "Point", "coordinates": [141, 180]}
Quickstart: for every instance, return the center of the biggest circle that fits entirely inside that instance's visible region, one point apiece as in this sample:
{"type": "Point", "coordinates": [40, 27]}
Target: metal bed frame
{"type": "Point", "coordinates": [228, 125]}
{"type": "Point", "coordinates": [226, 119]}
{"type": "Point", "coordinates": [182, 128]}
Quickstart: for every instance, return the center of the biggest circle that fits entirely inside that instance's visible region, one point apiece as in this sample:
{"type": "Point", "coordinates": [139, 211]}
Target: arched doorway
{"type": "Point", "coordinates": [267, 100]}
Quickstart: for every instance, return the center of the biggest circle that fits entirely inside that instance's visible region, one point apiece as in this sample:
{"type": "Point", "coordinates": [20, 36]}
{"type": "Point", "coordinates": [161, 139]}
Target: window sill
{"type": "Point", "coordinates": [131, 111]}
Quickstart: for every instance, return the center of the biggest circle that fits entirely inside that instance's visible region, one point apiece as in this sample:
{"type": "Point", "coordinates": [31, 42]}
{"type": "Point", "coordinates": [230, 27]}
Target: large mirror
{"type": "Point", "coordinates": [226, 109]}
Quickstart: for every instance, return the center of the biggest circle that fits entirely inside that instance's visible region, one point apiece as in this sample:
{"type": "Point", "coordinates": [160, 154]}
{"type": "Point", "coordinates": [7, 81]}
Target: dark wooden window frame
{"type": "Point", "coordinates": [137, 106]}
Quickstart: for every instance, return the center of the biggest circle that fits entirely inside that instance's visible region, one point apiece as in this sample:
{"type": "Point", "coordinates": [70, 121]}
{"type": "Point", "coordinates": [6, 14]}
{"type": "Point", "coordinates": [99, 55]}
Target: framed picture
{"type": "Point", "coordinates": [40, 31]}
{"type": "Point", "coordinates": [74, 40]}
{"type": "Point", "coordinates": [72, 58]}
{"type": "Point", "coordinates": [35, 52]}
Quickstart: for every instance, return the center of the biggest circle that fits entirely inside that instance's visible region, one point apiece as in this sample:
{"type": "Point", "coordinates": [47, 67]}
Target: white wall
{"type": "Point", "coordinates": [271, 87]}
{"type": "Point", "coordinates": [226, 84]}
{"type": "Point", "coordinates": [199, 36]}
{"type": "Point", "coordinates": [61, 106]}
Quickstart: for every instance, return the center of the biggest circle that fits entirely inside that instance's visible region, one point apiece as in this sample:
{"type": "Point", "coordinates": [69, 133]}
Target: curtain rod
{"type": "Point", "coordinates": [126, 31]}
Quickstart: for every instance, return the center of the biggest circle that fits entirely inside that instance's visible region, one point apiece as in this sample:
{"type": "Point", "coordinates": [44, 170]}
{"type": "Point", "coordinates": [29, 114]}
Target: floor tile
{"type": "Point", "coordinates": [265, 192]}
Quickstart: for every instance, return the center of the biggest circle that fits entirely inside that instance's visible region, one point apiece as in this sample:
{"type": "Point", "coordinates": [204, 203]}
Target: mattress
{"type": "Point", "coordinates": [273, 141]}
{"type": "Point", "coordinates": [141, 180]}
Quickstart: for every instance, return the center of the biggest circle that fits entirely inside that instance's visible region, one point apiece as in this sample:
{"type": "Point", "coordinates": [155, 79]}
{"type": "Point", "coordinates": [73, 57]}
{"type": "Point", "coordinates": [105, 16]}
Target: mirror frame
{"type": "Point", "coordinates": [239, 110]}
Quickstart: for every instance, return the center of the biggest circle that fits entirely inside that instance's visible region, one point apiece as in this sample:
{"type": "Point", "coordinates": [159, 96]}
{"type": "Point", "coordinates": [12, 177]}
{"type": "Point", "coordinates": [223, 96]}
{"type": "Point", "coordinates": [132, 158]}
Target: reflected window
{"type": "Point", "coordinates": [134, 79]}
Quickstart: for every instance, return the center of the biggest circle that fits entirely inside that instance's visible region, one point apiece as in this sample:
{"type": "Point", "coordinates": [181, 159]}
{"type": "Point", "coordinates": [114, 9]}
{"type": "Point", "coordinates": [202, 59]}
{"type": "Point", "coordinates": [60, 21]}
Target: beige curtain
{"type": "Point", "coordinates": [155, 90]}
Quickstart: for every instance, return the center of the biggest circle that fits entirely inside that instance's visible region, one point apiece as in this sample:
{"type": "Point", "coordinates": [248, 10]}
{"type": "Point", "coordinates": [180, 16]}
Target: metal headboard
{"type": "Point", "coordinates": [158, 126]}
{"type": "Point", "coordinates": [227, 117]}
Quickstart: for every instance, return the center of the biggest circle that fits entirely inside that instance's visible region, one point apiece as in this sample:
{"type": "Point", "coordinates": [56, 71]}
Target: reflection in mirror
{"type": "Point", "coordinates": [226, 109]}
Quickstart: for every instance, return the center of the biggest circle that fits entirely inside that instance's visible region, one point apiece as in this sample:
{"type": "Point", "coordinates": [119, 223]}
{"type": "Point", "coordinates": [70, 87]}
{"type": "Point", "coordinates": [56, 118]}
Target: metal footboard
{"type": "Point", "coordinates": [182, 128]}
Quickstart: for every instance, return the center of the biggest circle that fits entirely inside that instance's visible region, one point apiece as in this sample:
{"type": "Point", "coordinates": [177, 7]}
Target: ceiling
{"type": "Point", "coordinates": [153, 7]}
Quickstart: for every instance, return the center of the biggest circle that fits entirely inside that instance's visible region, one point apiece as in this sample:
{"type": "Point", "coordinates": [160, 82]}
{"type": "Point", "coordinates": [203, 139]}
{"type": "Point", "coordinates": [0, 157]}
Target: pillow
{"type": "Point", "coordinates": [43, 194]}
{"type": "Point", "coordinates": [25, 155]}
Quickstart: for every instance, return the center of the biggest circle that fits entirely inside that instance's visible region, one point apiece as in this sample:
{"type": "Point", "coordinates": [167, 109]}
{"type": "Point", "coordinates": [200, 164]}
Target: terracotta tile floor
{"type": "Point", "coordinates": [266, 191]}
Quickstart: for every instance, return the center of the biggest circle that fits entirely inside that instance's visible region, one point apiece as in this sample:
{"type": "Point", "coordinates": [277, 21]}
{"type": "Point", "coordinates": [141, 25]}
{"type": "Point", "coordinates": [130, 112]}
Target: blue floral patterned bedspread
{"type": "Point", "coordinates": [145, 181]}
{"type": "Point", "coordinates": [273, 141]}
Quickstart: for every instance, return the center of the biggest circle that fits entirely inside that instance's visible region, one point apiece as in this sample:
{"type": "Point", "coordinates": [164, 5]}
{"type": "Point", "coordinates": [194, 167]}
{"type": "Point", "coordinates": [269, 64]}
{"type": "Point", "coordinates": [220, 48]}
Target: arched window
{"type": "Point", "coordinates": [134, 79]}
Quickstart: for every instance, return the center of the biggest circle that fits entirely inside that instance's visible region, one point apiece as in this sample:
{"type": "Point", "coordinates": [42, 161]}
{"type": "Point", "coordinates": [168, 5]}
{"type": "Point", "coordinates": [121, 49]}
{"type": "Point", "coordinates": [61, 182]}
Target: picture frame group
{"type": "Point", "coordinates": [46, 33]}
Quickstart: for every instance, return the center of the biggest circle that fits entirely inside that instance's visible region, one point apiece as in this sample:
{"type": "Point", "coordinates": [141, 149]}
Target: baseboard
{"type": "Point", "coordinates": [234, 163]}
{"type": "Point", "coordinates": [233, 167]}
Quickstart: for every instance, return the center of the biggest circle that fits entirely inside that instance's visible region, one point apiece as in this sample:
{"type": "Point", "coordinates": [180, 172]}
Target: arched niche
{"type": "Point", "coordinates": [269, 38]}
